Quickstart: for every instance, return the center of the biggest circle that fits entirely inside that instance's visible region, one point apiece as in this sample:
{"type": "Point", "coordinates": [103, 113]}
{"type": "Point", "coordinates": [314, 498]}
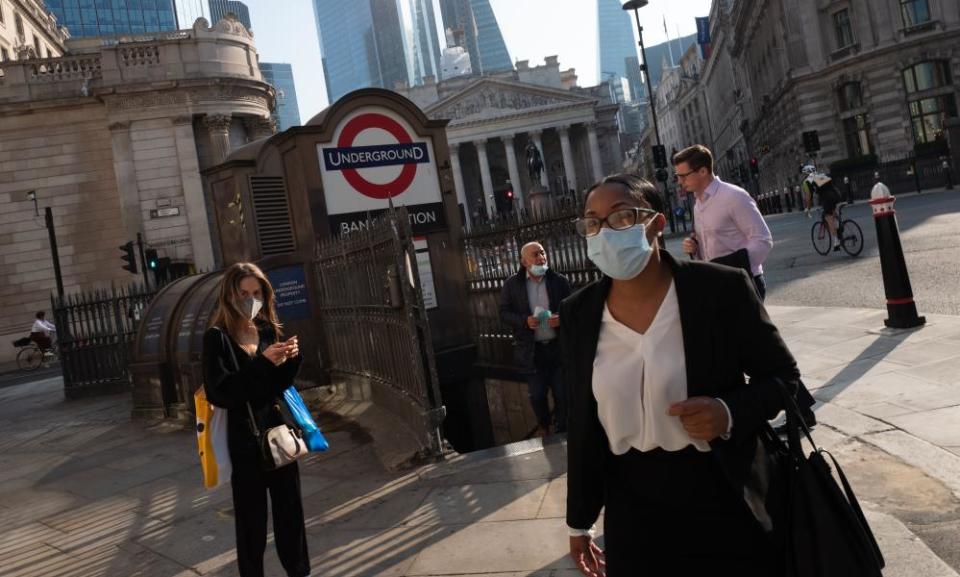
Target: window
{"type": "Point", "coordinates": [19, 25]}
{"type": "Point", "coordinates": [1, 13]}
{"type": "Point", "coordinates": [36, 46]}
{"type": "Point", "coordinates": [4, 55]}
{"type": "Point", "coordinates": [843, 28]}
{"type": "Point", "coordinates": [856, 130]}
{"type": "Point", "coordinates": [928, 117]}
{"type": "Point", "coordinates": [926, 75]}
{"type": "Point", "coordinates": [850, 96]}
{"type": "Point", "coordinates": [914, 12]}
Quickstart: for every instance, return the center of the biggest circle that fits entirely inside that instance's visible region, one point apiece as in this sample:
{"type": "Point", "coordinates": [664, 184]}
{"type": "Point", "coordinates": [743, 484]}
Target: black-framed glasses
{"type": "Point", "coordinates": [617, 220]}
{"type": "Point", "coordinates": [682, 175]}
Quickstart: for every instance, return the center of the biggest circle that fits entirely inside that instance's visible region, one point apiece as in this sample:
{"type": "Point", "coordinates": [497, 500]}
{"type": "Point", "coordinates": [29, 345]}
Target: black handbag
{"type": "Point", "coordinates": [736, 259]}
{"type": "Point", "coordinates": [819, 526]}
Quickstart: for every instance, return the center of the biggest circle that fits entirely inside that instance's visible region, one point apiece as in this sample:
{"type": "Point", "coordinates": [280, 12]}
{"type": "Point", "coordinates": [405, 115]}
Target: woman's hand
{"type": "Point", "coordinates": [587, 556]}
{"type": "Point", "coordinates": [704, 418]}
{"type": "Point", "coordinates": [278, 353]}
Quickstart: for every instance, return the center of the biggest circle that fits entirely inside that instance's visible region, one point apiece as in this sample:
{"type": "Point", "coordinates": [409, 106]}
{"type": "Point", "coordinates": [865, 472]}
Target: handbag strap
{"type": "Point", "coordinates": [795, 422]}
{"type": "Point", "coordinates": [236, 366]}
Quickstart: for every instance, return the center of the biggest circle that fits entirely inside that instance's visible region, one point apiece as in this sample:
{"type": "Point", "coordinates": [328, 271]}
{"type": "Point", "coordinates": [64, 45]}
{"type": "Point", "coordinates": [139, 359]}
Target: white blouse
{"type": "Point", "coordinates": [636, 377]}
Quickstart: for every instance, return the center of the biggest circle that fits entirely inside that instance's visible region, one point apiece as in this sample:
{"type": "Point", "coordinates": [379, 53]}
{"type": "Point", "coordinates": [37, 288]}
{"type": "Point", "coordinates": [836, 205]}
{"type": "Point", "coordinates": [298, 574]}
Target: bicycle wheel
{"type": "Point", "coordinates": [29, 358]}
{"type": "Point", "coordinates": [821, 237]}
{"type": "Point", "coordinates": [852, 240]}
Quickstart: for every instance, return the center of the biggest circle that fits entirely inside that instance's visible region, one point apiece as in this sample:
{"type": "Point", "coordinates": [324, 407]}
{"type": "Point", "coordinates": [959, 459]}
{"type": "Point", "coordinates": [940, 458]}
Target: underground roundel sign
{"type": "Point", "coordinates": [376, 155]}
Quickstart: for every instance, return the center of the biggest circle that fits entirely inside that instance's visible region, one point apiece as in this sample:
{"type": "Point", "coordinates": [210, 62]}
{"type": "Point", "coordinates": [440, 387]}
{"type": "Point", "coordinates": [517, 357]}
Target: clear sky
{"type": "Point", "coordinates": [285, 31]}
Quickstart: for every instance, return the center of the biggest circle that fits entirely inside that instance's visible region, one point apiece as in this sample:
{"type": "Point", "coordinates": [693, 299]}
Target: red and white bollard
{"type": "Point", "coordinates": [901, 309]}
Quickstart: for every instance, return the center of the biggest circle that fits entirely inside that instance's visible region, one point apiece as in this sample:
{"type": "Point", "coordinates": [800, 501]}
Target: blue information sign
{"type": "Point", "coordinates": [290, 290]}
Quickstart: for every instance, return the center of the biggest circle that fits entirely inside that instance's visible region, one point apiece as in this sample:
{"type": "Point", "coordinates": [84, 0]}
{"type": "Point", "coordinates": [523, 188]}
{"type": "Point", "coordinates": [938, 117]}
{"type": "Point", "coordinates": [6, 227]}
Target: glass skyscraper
{"type": "Point", "coordinates": [110, 17]}
{"type": "Point", "coordinates": [362, 44]}
{"type": "Point", "coordinates": [425, 44]}
{"type": "Point", "coordinates": [220, 8]}
{"type": "Point", "coordinates": [618, 48]}
{"type": "Point", "coordinates": [287, 113]}
{"type": "Point", "coordinates": [475, 28]}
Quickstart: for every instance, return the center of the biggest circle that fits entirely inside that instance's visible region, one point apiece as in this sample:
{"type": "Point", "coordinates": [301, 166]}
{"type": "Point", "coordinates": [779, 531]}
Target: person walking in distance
{"type": "Point", "coordinates": [528, 304]}
{"type": "Point", "coordinates": [246, 368]}
{"type": "Point", "coordinates": [728, 227]}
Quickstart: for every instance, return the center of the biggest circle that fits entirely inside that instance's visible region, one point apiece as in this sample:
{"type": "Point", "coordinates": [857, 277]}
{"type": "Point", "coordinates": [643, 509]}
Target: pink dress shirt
{"type": "Point", "coordinates": [726, 220]}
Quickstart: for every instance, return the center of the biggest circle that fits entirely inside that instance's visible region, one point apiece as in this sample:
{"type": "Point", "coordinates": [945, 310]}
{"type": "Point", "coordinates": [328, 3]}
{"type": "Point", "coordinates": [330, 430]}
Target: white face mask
{"type": "Point", "coordinates": [251, 307]}
{"type": "Point", "coordinates": [620, 254]}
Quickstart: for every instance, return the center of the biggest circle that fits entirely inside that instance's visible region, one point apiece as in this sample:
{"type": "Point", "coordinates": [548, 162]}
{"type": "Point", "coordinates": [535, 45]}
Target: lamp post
{"type": "Point", "coordinates": [636, 5]}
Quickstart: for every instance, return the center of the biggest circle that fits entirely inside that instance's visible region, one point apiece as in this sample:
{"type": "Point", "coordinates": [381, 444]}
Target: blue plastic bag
{"type": "Point", "coordinates": [311, 432]}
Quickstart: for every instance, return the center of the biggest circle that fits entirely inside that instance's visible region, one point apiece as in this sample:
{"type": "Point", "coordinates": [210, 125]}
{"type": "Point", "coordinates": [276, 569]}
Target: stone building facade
{"type": "Point", "coordinates": [872, 77]}
{"type": "Point", "coordinates": [28, 30]}
{"type": "Point", "coordinates": [112, 137]}
{"type": "Point", "coordinates": [493, 119]}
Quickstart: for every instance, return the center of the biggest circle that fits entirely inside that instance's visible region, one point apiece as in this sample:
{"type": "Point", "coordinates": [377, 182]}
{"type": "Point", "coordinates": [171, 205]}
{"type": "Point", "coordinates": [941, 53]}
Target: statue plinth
{"type": "Point", "coordinates": [540, 198]}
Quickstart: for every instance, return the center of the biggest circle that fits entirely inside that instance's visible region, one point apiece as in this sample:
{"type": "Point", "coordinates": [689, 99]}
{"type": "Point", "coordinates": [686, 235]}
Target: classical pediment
{"type": "Point", "coordinates": [491, 98]}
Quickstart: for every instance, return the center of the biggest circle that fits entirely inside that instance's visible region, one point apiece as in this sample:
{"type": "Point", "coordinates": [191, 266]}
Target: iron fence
{"type": "Point", "coordinates": [901, 175]}
{"type": "Point", "coordinates": [95, 331]}
{"type": "Point", "coordinates": [492, 253]}
{"type": "Point", "coordinates": [373, 320]}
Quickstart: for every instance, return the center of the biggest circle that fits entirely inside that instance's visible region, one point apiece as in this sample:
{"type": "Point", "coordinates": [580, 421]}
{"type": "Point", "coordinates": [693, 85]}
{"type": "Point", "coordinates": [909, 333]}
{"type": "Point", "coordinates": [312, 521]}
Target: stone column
{"type": "Point", "coordinates": [536, 136]}
{"type": "Point", "coordinates": [126, 175]}
{"type": "Point", "coordinates": [218, 129]}
{"type": "Point", "coordinates": [194, 202]}
{"type": "Point", "coordinates": [514, 171]}
{"type": "Point", "coordinates": [569, 169]}
{"type": "Point", "coordinates": [485, 177]}
{"type": "Point", "coordinates": [259, 127]}
{"type": "Point", "coordinates": [595, 162]}
{"type": "Point", "coordinates": [458, 184]}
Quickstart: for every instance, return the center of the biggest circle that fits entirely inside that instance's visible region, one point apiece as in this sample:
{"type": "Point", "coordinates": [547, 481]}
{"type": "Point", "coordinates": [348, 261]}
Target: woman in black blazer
{"type": "Point", "coordinates": [662, 421]}
{"type": "Point", "coordinates": [246, 368]}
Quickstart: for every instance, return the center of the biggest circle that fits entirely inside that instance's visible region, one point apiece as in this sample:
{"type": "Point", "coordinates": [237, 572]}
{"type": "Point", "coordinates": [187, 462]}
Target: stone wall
{"type": "Point", "coordinates": [113, 138]}
{"type": "Point", "coordinates": [511, 416]}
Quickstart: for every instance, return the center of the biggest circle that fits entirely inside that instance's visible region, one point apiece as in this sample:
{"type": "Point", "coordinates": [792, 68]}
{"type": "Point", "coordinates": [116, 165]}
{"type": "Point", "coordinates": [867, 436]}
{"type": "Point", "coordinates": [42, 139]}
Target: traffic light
{"type": "Point", "coordinates": [659, 156]}
{"type": "Point", "coordinates": [754, 166]}
{"type": "Point", "coordinates": [811, 142]}
{"type": "Point", "coordinates": [129, 258]}
{"type": "Point", "coordinates": [152, 261]}
{"type": "Point", "coordinates": [662, 174]}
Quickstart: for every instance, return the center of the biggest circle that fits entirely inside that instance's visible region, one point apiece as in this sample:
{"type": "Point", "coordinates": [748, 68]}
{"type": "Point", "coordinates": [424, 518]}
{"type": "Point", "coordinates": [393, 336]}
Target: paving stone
{"type": "Point", "coordinates": [939, 426]}
{"type": "Point", "coordinates": [480, 502]}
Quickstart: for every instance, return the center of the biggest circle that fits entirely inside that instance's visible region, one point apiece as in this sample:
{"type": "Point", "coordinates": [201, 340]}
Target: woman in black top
{"type": "Point", "coordinates": [246, 363]}
{"type": "Point", "coordinates": [663, 425]}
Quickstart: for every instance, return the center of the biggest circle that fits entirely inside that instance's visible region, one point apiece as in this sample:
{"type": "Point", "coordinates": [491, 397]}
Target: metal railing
{"type": "Point", "coordinates": [492, 253]}
{"type": "Point", "coordinates": [94, 333]}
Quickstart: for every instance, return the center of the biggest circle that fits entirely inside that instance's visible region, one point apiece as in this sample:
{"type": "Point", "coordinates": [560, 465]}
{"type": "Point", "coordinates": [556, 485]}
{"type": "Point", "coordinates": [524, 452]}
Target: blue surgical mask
{"type": "Point", "coordinates": [620, 254]}
{"type": "Point", "coordinates": [538, 269]}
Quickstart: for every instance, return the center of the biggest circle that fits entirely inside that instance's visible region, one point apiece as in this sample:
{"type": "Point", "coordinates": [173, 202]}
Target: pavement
{"type": "Point", "coordinates": [86, 492]}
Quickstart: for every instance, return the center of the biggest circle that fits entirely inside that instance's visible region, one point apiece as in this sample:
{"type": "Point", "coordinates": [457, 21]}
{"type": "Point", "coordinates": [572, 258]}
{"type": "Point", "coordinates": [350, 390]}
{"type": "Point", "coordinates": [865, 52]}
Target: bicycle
{"type": "Point", "coordinates": [31, 357]}
{"type": "Point", "coordinates": [851, 237]}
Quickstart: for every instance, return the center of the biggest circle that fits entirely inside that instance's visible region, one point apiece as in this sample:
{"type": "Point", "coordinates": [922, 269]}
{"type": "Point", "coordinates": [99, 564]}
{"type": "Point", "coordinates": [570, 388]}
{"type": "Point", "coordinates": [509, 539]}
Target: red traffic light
{"type": "Point", "coordinates": [509, 194]}
{"type": "Point", "coordinates": [753, 161]}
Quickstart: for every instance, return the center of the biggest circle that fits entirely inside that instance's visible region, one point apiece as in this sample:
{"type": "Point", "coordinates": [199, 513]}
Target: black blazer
{"type": "Point", "coordinates": [232, 378]}
{"type": "Point", "coordinates": [726, 335]}
{"type": "Point", "coordinates": [515, 308]}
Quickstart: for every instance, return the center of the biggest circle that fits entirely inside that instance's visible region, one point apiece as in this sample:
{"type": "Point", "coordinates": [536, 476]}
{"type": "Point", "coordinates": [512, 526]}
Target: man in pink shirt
{"type": "Point", "coordinates": [726, 218]}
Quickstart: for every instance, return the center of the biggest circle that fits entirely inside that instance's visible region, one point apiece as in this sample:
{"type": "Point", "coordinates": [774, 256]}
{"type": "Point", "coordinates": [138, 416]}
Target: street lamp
{"type": "Point", "coordinates": [636, 5]}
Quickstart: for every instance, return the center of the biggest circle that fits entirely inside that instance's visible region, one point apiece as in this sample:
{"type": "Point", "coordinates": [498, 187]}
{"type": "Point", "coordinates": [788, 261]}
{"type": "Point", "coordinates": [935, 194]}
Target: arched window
{"type": "Point", "coordinates": [929, 106]}
{"type": "Point", "coordinates": [18, 22]}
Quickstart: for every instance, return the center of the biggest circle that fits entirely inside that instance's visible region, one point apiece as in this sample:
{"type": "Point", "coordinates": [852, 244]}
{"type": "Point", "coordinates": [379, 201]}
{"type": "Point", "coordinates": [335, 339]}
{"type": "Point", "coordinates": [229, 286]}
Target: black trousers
{"type": "Point", "coordinates": [250, 486]}
{"type": "Point", "coordinates": [675, 514]}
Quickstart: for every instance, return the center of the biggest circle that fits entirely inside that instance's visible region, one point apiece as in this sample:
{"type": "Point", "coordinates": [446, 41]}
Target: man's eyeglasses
{"type": "Point", "coordinates": [622, 219]}
{"type": "Point", "coordinates": [683, 175]}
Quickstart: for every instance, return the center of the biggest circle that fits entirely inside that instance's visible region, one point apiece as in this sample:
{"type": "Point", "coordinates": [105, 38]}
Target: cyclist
{"type": "Point", "coordinates": [41, 332]}
{"type": "Point", "coordinates": [822, 185]}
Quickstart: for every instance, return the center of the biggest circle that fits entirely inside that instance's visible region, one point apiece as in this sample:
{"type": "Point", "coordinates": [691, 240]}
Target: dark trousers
{"type": "Point", "coordinates": [761, 283]}
{"type": "Point", "coordinates": [547, 361]}
{"type": "Point", "coordinates": [250, 487]}
{"type": "Point", "coordinates": [675, 513]}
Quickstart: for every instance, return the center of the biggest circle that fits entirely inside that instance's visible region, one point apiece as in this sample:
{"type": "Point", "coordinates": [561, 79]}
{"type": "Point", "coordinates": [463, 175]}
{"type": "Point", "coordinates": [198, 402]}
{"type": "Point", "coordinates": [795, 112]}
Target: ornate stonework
{"type": "Point", "coordinates": [489, 99]}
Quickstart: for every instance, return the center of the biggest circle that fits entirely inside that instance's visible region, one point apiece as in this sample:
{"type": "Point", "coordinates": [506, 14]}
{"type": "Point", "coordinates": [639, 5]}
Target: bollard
{"type": "Point", "coordinates": [901, 309]}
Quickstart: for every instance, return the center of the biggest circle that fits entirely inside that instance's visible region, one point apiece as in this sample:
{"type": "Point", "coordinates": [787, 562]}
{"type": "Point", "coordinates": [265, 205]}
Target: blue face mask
{"type": "Point", "coordinates": [620, 254]}
{"type": "Point", "coordinates": [538, 269]}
